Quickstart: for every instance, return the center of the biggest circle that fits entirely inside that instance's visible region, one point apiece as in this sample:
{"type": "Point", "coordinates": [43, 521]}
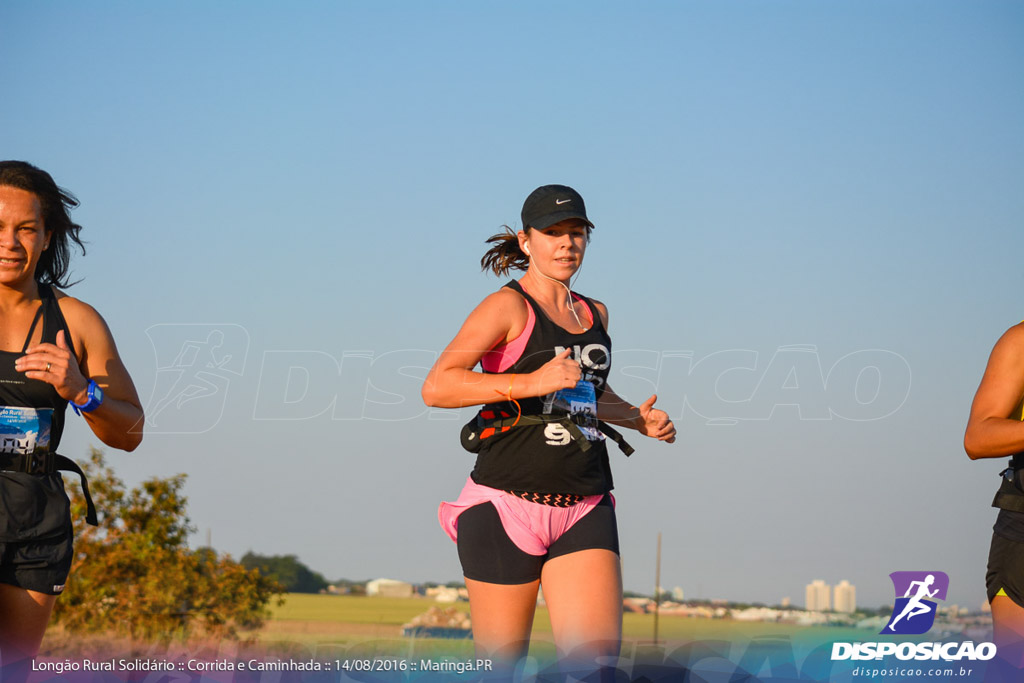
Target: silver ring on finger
{"type": "Point", "coordinates": [47, 367]}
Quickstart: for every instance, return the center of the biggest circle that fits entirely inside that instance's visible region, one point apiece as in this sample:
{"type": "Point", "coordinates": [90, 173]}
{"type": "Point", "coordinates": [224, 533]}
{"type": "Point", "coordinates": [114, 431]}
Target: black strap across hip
{"type": "Point", "coordinates": [47, 463]}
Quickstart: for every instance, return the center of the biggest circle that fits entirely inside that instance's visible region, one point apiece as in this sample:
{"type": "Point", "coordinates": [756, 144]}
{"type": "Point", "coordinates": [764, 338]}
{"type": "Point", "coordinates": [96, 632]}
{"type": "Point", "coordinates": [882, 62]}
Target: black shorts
{"type": "Point", "coordinates": [489, 555]}
{"type": "Point", "coordinates": [1005, 569]}
{"type": "Point", "coordinates": [40, 565]}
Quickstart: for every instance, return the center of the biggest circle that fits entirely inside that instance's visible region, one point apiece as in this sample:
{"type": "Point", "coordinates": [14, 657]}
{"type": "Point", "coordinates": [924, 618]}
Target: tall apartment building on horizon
{"type": "Point", "coordinates": [819, 596]}
{"type": "Point", "coordinates": [845, 597]}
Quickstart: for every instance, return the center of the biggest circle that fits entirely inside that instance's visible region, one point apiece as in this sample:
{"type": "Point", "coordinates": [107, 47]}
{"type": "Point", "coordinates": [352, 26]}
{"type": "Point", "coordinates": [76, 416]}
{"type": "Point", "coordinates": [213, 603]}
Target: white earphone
{"type": "Point", "coordinates": [526, 248]}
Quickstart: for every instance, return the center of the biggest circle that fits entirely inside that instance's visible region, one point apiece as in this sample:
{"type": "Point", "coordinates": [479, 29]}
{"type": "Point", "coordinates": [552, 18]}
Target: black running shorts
{"type": "Point", "coordinates": [1005, 569]}
{"type": "Point", "coordinates": [489, 555]}
{"type": "Point", "coordinates": [40, 565]}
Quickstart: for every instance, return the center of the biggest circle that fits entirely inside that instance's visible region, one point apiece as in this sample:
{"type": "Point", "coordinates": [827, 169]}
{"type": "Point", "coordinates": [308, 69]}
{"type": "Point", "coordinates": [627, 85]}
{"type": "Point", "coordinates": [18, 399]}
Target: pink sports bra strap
{"type": "Point", "coordinates": [504, 356]}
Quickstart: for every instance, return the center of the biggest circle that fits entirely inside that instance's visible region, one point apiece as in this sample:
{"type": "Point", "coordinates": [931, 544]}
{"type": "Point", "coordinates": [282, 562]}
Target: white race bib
{"type": "Point", "coordinates": [25, 430]}
{"type": "Point", "coordinates": [581, 399]}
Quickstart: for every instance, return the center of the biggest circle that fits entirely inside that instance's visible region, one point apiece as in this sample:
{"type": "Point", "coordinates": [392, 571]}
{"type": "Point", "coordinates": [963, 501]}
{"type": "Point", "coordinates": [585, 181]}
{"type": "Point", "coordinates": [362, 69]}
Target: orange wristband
{"type": "Point", "coordinates": [519, 409]}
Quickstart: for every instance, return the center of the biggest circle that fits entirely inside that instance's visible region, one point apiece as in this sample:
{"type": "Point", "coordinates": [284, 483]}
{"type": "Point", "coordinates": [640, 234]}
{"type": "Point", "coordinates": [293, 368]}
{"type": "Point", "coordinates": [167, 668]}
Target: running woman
{"type": "Point", "coordinates": [536, 509]}
{"type": "Point", "coordinates": [995, 430]}
{"type": "Point", "coordinates": [54, 350]}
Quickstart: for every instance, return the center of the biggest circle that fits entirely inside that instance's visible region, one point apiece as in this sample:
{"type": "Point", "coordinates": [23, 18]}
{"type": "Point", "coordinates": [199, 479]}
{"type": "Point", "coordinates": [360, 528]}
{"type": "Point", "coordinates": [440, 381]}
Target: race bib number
{"type": "Point", "coordinates": [25, 430]}
{"type": "Point", "coordinates": [581, 399]}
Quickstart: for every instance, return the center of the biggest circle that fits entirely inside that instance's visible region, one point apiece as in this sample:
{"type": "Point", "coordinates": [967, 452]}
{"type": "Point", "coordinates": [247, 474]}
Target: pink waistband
{"type": "Point", "coordinates": [531, 526]}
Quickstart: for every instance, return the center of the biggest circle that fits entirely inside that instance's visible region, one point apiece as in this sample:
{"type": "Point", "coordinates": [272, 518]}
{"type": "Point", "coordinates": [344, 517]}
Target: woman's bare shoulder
{"type": "Point", "coordinates": [87, 326]}
{"type": "Point", "coordinates": [508, 306]}
{"type": "Point", "coordinates": [75, 310]}
{"type": "Point", "coordinates": [1011, 342]}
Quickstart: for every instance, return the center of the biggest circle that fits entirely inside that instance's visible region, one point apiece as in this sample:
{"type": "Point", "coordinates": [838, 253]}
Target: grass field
{"type": "Point", "coordinates": [372, 625]}
{"type": "Point", "coordinates": [329, 627]}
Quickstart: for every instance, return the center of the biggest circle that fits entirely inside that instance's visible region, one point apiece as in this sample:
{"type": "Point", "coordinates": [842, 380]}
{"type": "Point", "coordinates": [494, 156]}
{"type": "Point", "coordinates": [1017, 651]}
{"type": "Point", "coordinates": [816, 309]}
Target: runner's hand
{"type": "Point", "coordinates": [654, 423]}
{"type": "Point", "coordinates": [561, 372]}
{"type": "Point", "coordinates": [56, 365]}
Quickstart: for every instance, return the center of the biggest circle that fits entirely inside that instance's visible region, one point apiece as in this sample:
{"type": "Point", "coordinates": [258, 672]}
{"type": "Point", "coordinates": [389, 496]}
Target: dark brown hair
{"type": "Point", "coordinates": [54, 203]}
{"type": "Point", "coordinates": [505, 255]}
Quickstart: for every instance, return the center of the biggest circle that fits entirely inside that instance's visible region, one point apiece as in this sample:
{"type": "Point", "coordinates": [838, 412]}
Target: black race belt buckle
{"type": "Point", "coordinates": [36, 463]}
{"type": "Point", "coordinates": [39, 463]}
{"type": "Point", "coordinates": [584, 420]}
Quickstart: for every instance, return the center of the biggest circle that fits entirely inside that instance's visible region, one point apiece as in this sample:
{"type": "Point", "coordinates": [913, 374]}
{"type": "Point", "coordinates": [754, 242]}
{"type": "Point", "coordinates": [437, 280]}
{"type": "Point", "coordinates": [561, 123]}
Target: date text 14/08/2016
{"type": "Point", "coordinates": [379, 664]}
{"type": "Point", "coordinates": [453, 666]}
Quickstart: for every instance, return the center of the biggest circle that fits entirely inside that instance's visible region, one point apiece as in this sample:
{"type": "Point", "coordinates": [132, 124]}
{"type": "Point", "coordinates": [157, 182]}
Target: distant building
{"type": "Point", "coordinates": [389, 588]}
{"type": "Point", "coordinates": [819, 596]}
{"type": "Point", "coordinates": [677, 594]}
{"type": "Point", "coordinates": [757, 614]}
{"type": "Point", "coordinates": [846, 597]}
{"type": "Point", "coordinates": [443, 594]}
{"type": "Point", "coordinates": [785, 602]}
{"type": "Point", "coordinates": [638, 605]}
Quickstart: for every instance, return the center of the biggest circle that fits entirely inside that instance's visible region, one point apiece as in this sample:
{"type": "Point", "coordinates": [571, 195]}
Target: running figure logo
{"type": "Point", "coordinates": [914, 612]}
{"type": "Point", "coordinates": [195, 365]}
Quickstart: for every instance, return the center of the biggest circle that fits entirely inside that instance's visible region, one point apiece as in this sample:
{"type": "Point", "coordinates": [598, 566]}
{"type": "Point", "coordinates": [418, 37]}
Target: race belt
{"type": "Point", "coordinates": [488, 424]}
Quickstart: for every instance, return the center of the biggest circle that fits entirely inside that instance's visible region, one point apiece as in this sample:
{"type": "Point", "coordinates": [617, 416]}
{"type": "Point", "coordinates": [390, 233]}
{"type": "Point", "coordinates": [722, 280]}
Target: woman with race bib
{"type": "Point", "coordinates": [536, 510]}
{"type": "Point", "coordinates": [54, 350]}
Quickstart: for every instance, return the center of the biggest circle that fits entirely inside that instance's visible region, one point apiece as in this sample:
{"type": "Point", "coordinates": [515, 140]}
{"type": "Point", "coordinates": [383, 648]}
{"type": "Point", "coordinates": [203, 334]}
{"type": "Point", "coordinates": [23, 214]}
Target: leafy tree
{"type": "Point", "coordinates": [135, 575]}
{"type": "Point", "coordinates": [286, 570]}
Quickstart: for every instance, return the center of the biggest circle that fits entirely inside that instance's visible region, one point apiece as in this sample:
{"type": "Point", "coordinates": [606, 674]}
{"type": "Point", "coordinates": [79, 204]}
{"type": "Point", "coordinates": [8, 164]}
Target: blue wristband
{"type": "Point", "coordinates": [93, 402]}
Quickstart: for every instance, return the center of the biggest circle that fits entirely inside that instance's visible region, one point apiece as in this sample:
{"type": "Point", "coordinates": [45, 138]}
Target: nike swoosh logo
{"type": "Point", "coordinates": [562, 201]}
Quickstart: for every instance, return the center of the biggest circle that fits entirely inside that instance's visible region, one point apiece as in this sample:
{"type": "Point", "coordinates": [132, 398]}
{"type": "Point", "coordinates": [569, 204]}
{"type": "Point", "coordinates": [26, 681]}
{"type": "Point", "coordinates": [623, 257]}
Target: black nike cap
{"type": "Point", "coordinates": [552, 204]}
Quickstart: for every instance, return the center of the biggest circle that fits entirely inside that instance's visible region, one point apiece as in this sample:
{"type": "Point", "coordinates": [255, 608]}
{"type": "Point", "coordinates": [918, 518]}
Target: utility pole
{"type": "Point", "coordinates": [657, 590]}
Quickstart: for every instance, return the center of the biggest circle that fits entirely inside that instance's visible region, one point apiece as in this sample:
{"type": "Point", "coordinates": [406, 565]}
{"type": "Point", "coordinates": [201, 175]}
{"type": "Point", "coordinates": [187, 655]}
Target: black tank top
{"type": "Point", "coordinates": [544, 458]}
{"type": "Point", "coordinates": [32, 420]}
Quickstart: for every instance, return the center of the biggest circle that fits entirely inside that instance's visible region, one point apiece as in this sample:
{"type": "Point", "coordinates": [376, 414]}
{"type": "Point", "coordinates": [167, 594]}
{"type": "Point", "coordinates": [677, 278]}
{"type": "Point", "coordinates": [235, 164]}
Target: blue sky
{"type": "Point", "coordinates": [316, 181]}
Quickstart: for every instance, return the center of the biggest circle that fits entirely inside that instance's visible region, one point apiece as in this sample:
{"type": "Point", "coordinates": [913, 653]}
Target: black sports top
{"type": "Point", "coordinates": [31, 421]}
{"type": "Point", "coordinates": [544, 458]}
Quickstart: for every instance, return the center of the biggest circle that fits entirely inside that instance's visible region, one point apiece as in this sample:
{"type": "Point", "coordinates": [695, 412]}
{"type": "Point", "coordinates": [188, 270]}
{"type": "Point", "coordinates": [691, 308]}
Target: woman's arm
{"type": "Point", "coordinates": [501, 317]}
{"type": "Point", "coordinates": [992, 431]}
{"type": "Point", "coordinates": [118, 421]}
{"type": "Point", "coordinates": [644, 418]}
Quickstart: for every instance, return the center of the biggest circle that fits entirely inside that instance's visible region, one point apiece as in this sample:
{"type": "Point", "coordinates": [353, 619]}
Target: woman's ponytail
{"type": "Point", "coordinates": [505, 255]}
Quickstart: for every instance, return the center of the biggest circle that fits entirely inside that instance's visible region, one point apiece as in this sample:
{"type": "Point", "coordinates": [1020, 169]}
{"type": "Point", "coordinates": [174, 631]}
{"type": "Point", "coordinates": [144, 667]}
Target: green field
{"type": "Point", "coordinates": [332, 627]}
{"type": "Point", "coordinates": [372, 625]}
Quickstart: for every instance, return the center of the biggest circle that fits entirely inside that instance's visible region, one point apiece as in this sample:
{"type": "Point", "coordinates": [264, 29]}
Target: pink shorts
{"type": "Point", "coordinates": [532, 527]}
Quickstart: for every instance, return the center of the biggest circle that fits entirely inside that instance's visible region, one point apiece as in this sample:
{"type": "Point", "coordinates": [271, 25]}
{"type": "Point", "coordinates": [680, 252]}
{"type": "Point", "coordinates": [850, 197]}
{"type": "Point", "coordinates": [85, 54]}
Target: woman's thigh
{"type": "Point", "coordinates": [502, 582]}
{"type": "Point", "coordinates": [583, 593]}
{"type": "Point", "coordinates": [23, 618]}
{"type": "Point", "coordinates": [502, 616]}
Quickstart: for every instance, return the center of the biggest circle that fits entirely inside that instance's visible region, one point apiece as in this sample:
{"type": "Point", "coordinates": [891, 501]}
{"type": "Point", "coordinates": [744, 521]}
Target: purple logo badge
{"type": "Point", "coordinates": [914, 611]}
